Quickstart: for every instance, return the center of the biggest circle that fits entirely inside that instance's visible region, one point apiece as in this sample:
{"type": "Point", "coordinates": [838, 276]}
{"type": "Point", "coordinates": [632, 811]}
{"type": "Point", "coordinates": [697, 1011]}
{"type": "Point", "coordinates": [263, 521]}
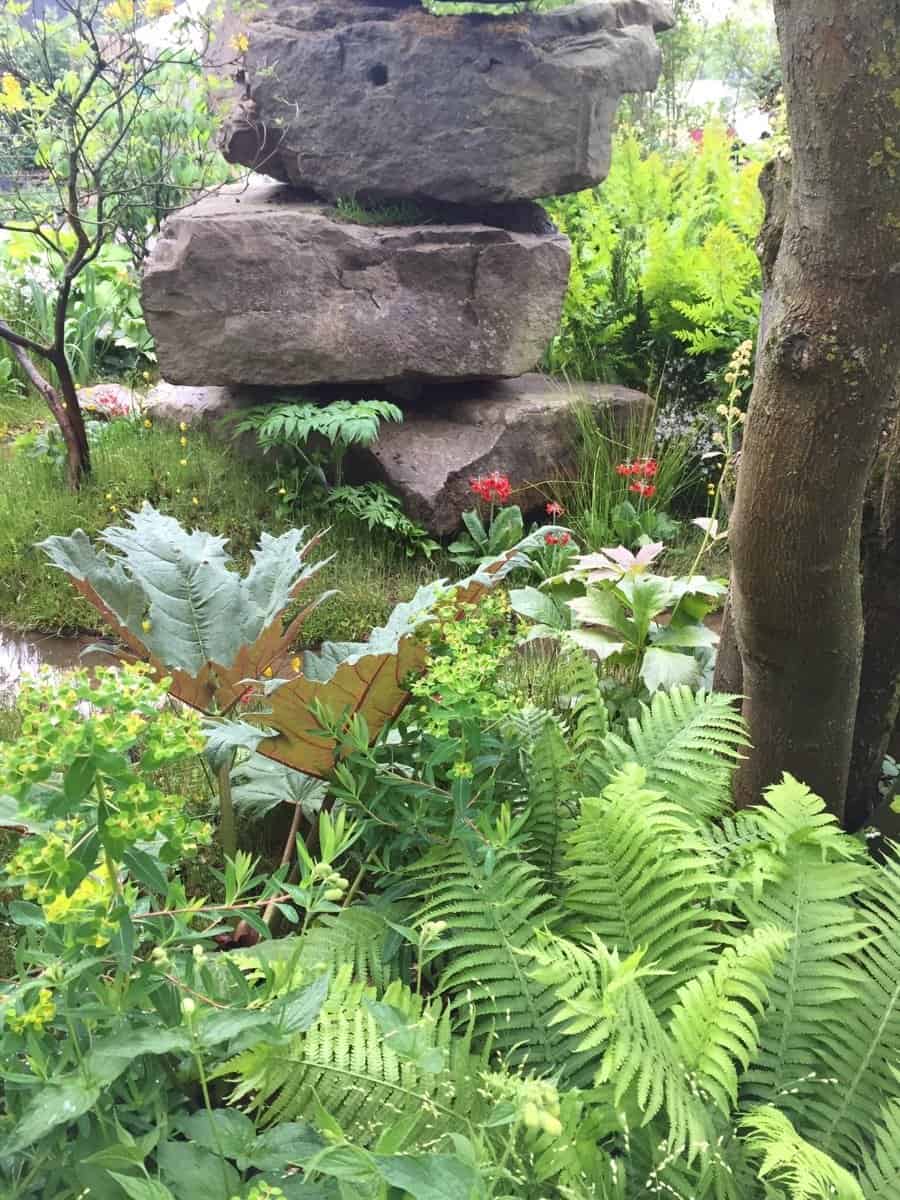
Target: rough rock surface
{"type": "Point", "coordinates": [521, 427]}
{"type": "Point", "coordinates": [258, 287]}
{"type": "Point", "coordinates": [384, 101]}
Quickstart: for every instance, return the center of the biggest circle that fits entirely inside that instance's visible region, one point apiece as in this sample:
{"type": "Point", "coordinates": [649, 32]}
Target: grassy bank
{"type": "Point", "coordinates": [204, 486]}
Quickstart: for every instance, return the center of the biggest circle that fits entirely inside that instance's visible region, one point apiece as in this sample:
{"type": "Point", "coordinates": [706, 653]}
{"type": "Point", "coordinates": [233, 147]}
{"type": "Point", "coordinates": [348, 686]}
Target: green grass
{"type": "Point", "coordinates": [214, 491]}
{"type": "Point", "coordinates": [405, 212]}
{"type": "Point", "coordinates": [593, 490]}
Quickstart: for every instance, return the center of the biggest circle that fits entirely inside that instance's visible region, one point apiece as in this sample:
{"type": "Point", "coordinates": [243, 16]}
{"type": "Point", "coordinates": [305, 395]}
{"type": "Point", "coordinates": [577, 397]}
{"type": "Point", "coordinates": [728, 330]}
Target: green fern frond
{"type": "Point", "coordinates": [552, 801]}
{"type": "Point", "coordinates": [787, 1159]}
{"type": "Point", "coordinates": [491, 917]}
{"type": "Point", "coordinates": [638, 877]}
{"type": "Point", "coordinates": [881, 1169]}
{"type": "Point", "coordinates": [356, 937]}
{"type": "Point", "coordinates": [808, 891]}
{"type": "Point", "coordinates": [689, 744]}
{"type": "Point", "coordinates": [714, 1023]}
{"type": "Point", "coordinates": [863, 1049]}
{"type": "Point", "coordinates": [346, 1064]}
{"type": "Point", "coordinates": [604, 1007]}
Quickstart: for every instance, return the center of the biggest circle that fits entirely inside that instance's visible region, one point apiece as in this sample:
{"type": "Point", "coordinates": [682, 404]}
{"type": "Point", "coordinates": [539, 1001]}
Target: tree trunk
{"type": "Point", "coordinates": [64, 406]}
{"type": "Point", "coordinates": [879, 694]}
{"type": "Point", "coordinates": [823, 381]}
{"type": "Point", "coordinates": [775, 185]}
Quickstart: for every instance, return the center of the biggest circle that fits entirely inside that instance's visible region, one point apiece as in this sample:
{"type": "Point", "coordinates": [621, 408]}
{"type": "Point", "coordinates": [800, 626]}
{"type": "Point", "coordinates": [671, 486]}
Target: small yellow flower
{"type": "Point", "coordinates": [194, 500]}
{"type": "Point", "coordinates": [295, 663]}
{"type": "Point", "coordinates": [241, 43]}
{"type": "Point", "coordinates": [159, 8]}
{"type": "Point", "coordinates": [113, 509]}
{"type": "Point", "coordinates": [145, 375]}
{"type": "Point", "coordinates": [148, 424]}
{"type": "Point", "coordinates": [282, 491]}
{"type": "Point", "coordinates": [182, 462]}
{"type": "Point", "coordinates": [120, 10]}
{"type": "Point", "coordinates": [146, 626]}
{"type": "Point", "coordinates": [183, 441]}
{"type": "Point", "coordinates": [710, 489]}
{"type": "Point", "coordinates": [109, 496]}
{"type": "Point", "coordinates": [268, 672]}
{"type": "Point", "coordinates": [182, 425]}
{"type": "Point", "coordinates": [12, 98]}
{"type": "Point", "coordinates": [461, 770]}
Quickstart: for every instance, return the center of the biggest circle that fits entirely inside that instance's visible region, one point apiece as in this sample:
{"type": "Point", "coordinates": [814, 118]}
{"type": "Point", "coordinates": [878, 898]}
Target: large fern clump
{"type": "Point", "coordinates": [621, 990]}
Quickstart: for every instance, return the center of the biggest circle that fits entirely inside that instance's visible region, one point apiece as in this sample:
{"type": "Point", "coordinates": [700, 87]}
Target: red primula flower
{"type": "Point", "coordinates": [643, 489]}
{"type": "Point", "coordinates": [493, 489]}
{"type": "Point", "coordinates": [565, 538]}
{"type": "Point", "coordinates": [550, 539]}
{"type": "Point", "coordinates": [554, 509]}
{"type": "Point", "coordinates": [623, 469]}
{"type": "Point", "coordinates": [650, 466]}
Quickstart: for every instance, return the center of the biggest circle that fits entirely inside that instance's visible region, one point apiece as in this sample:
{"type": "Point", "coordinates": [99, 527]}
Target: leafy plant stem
{"type": "Point", "coordinates": [227, 834]}
{"type": "Point", "coordinates": [207, 1103]}
{"type": "Point", "coordinates": [357, 880]}
{"type": "Point", "coordinates": [287, 855]}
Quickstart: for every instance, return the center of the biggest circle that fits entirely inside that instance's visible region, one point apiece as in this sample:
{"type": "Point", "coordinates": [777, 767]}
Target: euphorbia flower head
{"type": "Point", "coordinates": [617, 562]}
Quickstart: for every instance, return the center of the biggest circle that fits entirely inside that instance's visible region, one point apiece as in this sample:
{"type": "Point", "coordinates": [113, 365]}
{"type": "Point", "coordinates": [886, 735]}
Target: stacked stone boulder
{"type": "Point", "coordinates": [447, 130]}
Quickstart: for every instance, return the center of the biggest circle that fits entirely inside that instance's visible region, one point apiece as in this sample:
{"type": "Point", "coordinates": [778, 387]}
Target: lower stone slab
{"type": "Point", "coordinates": [521, 427]}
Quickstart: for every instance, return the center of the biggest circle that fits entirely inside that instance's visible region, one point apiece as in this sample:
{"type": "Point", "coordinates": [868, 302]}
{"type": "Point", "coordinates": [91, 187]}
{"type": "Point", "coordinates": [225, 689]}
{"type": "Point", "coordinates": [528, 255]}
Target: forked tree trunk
{"type": "Point", "coordinates": [63, 403]}
{"type": "Point", "coordinates": [824, 377]}
{"type": "Point", "coordinates": [879, 693]}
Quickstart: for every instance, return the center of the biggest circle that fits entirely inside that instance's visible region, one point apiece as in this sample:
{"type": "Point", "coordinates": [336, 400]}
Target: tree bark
{"type": "Point", "coordinates": [824, 377]}
{"type": "Point", "coordinates": [775, 185]}
{"type": "Point", "coordinates": [63, 403]}
{"type": "Point", "coordinates": [879, 693]}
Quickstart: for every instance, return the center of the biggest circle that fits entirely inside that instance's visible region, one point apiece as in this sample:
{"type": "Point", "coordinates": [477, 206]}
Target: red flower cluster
{"type": "Point", "coordinates": [645, 468]}
{"type": "Point", "coordinates": [110, 404]}
{"type": "Point", "coordinates": [493, 488]}
{"type": "Point", "coordinates": [555, 509]}
{"type": "Point", "coordinates": [563, 539]}
{"type": "Point", "coordinates": [643, 489]}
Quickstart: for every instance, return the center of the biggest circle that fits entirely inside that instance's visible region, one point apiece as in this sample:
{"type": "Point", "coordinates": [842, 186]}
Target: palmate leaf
{"type": "Point", "coordinates": [175, 601]}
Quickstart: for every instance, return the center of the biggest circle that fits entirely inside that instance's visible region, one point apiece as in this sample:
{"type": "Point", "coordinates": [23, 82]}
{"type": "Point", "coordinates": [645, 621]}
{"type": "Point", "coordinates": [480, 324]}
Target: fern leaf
{"type": "Point", "coordinates": [491, 919]}
{"type": "Point", "coordinates": [808, 892]}
{"type": "Point", "coordinates": [805, 1171]}
{"type": "Point", "coordinates": [714, 1023]}
{"type": "Point", "coordinates": [603, 1005]}
{"type": "Point", "coordinates": [637, 872]}
{"type": "Point", "coordinates": [689, 744]}
{"type": "Point", "coordinates": [345, 1064]}
{"type": "Point", "coordinates": [863, 1049]}
{"type": "Point", "coordinates": [881, 1168]}
{"type": "Point", "coordinates": [551, 800]}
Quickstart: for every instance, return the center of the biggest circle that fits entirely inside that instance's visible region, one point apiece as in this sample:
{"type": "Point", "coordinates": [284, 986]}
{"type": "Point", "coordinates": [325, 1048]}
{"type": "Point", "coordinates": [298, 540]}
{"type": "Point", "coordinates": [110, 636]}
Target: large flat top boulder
{"type": "Point", "coordinates": [386, 101]}
{"type": "Point", "coordinates": [258, 287]}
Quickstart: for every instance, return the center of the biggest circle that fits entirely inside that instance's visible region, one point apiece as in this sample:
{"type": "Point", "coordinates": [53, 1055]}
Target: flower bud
{"type": "Point", "coordinates": [188, 1006]}
{"type": "Point", "coordinates": [531, 1115]}
{"type": "Point", "coordinates": [334, 894]}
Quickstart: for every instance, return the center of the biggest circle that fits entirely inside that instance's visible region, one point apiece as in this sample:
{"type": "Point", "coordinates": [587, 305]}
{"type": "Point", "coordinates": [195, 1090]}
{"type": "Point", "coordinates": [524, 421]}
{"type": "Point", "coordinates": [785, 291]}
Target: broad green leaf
{"type": "Point", "coordinates": [282, 1145]}
{"type": "Point", "coordinates": [599, 643]}
{"type": "Point", "coordinates": [259, 784]}
{"type": "Point", "coordinates": [142, 1189]}
{"type": "Point", "coordinates": [667, 669]}
{"type": "Point", "coordinates": [60, 1103]}
{"type": "Point", "coordinates": [297, 1011]}
{"type": "Point", "coordinates": [173, 598]}
{"type": "Point", "coordinates": [197, 1173]}
{"type": "Point", "coordinates": [224, 737]}
{"type": "Point", "coordinates": [225, 1129]}
{"type": "Point", "coordinates": [406, 1038]}
{"type": "Point", "coordinates": [538, 606]}
{"type": "Point", "coordinates": [686, 637]}
{"type": "Point", "coordinates": [648, 595]}
{"type": "Point", "coordinates": [601, 606]}
{"type": "Point", "coordinates": [507, 529]}
{"type": "Point", "coordinates": [431, 1176]}
{"type": "Point", "coordinates": [475, 526]}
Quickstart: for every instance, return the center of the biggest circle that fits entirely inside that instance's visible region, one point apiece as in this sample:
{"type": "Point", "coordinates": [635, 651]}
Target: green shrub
{"type": "Point", "coordinates": [663, 263]}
